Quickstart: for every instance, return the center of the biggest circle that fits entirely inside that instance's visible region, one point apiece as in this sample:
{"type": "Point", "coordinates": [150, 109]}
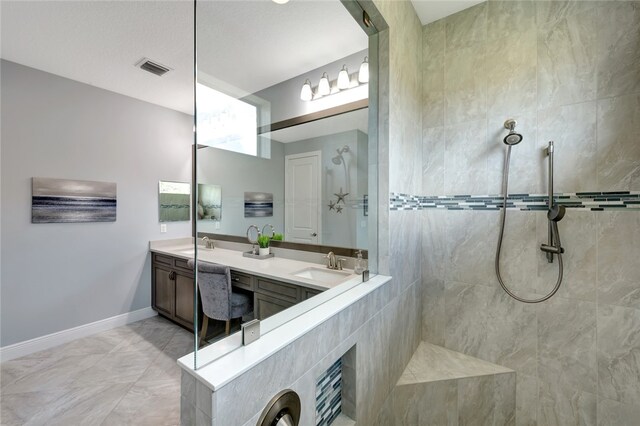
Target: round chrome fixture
{"type": "Point", "coordinates": [282, 410]}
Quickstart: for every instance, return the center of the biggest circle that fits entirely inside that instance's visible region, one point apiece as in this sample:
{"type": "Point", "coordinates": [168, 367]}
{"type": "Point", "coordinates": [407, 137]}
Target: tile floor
{"type": "Point", "coordinates": [124, 376]}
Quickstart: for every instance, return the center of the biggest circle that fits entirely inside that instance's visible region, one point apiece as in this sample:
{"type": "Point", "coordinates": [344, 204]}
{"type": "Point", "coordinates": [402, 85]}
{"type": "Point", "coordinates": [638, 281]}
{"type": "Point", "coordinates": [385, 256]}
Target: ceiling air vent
{"type": "Point", "coordinates": [153, 67]}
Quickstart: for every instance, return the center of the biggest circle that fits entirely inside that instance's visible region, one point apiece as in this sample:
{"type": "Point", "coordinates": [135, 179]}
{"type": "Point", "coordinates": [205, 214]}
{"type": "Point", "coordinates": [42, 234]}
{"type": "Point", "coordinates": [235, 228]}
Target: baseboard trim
{"type": "Point", "coordinates": [54, 339]}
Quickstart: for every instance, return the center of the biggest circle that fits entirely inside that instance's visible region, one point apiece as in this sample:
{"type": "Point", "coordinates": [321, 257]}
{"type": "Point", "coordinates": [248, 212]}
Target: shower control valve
{"type": "Point", "coordinates": [551, 249]}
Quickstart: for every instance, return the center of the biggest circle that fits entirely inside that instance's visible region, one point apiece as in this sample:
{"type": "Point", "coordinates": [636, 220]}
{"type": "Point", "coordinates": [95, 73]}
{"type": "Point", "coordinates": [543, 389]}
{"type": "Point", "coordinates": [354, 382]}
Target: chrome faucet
{"type": "Point", "coordinates": [207, 242]}
{"type": "Point", "coordinates": [333, 262]}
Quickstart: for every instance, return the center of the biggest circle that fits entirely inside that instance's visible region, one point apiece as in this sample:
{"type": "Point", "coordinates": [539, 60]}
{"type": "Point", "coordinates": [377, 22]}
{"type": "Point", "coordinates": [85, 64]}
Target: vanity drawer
{"type": "Point", "coordinates": [164, 260]}
{"type": "Point", "coordinates": [280, 290]}
{"type": "Point", "coordinates": [182, 264]}
{"type": "Point", "coordinates": [240, 280]}
{"type": "Point", "coordinates": [264, 306]}
{"type": "Point", "coordinates": [308, 293]}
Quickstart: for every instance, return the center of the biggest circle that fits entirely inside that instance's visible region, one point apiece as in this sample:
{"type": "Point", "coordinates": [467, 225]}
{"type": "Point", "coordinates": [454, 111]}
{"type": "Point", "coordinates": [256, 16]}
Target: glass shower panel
{"type": "Point", "coordinates": [252, 60]}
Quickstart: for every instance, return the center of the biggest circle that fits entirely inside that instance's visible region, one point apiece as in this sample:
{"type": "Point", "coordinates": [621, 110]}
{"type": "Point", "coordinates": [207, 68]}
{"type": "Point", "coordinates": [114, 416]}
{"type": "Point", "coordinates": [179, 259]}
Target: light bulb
{"type": "Point", "coordinates": [363, 74]}
{"type": "Point", "coordinates": [343, 78]}
{"type": "Point", "coordinates": [323, 87]}
{"type": "Point", "coordinates": [306, 94]}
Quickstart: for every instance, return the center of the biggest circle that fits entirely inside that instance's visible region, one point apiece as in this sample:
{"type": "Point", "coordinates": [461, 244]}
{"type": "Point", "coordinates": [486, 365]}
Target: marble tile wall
{"type": "Point", "coordinates": [403, 230]}
{"type": "Point", "coordinates": [482, 400]}
{"type": "Point", "coordinates": [568, 72]}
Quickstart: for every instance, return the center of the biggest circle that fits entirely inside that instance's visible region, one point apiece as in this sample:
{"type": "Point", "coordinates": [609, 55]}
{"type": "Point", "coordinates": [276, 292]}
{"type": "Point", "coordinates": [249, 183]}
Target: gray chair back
{"type": "Point", "coordinates": [214, 282]}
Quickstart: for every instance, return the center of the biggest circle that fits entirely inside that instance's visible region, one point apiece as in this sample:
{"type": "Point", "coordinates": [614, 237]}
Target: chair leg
{"type": "Point", "coordinates": [227, 327]}
{"type": "Point", "coordinates": [203, 333]}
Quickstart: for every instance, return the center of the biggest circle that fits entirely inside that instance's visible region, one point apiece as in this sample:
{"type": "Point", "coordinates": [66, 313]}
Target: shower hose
{"type": "Point", "coordinates": [554, 230]}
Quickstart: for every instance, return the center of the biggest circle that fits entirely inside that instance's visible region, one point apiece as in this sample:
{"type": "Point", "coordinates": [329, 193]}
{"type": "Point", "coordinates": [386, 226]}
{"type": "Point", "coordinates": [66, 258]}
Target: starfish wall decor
{"type": "Point", "coordinates": [341, 195]}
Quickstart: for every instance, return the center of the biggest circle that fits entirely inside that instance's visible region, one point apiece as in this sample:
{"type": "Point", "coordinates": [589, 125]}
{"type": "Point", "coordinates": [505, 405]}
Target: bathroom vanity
{"type": "Point", "coordinates": [275, 284]}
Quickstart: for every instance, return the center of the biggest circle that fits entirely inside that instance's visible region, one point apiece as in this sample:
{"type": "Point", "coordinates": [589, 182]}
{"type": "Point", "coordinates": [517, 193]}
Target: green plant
{"type": "Point", "coordinates": [278, 237]}
{"type": "Point", "coordinates": [263, 241]}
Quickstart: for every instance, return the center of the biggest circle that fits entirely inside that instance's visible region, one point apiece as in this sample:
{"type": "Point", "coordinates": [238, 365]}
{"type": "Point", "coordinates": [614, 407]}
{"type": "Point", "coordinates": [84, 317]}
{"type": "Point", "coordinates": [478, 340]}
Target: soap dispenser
{"type": "Point", "coordinates": [361, 264]}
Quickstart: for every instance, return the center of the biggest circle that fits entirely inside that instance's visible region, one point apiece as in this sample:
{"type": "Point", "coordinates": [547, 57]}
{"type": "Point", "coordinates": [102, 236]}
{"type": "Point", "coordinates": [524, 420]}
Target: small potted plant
{"type": "Point", "coordinates": [263, 242]}
{"type": "Point", "coordinates": [277, 237]}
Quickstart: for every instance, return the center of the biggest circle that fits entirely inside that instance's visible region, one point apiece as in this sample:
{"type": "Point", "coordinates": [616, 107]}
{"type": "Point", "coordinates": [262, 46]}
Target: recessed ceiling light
{"type": "Point", "coordinates": [281, 1]}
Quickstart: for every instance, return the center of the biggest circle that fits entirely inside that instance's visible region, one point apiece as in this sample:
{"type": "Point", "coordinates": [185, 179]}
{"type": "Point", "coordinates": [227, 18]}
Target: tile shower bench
{"type": "Point", "coordinates": [441, 386]}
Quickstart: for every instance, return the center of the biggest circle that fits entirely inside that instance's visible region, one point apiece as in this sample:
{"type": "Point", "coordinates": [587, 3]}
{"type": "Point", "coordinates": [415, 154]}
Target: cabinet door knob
{"type": "Point", "coordinates": [314, 234]}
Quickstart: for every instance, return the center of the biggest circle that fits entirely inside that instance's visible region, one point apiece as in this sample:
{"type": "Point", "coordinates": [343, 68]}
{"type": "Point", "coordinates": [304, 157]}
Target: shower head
{"type": "Point", "coordinates": [512, 138]}
{"type": "Point", "coordinates": [338, 158]}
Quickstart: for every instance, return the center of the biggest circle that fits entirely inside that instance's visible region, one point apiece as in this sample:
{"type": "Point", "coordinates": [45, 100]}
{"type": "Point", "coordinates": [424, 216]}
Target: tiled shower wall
{"type": "Point", "coordinates": [568, 72]}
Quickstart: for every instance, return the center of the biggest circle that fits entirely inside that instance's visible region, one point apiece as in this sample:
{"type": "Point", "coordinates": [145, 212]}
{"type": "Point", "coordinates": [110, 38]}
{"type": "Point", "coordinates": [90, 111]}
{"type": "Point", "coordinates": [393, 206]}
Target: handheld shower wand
{"type": "Point", "coordinates": [555, 214]}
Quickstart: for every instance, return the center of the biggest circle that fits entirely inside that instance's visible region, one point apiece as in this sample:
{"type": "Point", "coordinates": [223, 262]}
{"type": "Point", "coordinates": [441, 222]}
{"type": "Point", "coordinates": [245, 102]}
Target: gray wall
{"type": "Point", "coordinates": [568, 72]}
{"type": "Point", "coordinates": [237, 173]}
{"type": "Point", "coordinates": [339, 229]}
{"type": "Point", "coordinates": [234, 173]}
{"type": "Point", "coordinates": [58, 276]}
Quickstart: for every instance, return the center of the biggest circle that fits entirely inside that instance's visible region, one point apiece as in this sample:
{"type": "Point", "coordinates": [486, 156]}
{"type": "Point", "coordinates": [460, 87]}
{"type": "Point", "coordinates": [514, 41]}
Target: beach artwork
{"type": "Point", "coordinates": [174, 201]}
{"type": "Point", "coordinates": [68, 201]}
{"type": "Point", "coordinates": [209, 202]}
{"type": "Point", "coordinates": [258, 204]}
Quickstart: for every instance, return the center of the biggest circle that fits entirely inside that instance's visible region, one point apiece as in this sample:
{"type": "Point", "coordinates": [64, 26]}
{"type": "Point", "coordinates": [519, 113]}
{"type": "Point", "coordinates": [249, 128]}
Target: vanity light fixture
{"type": "Point", "coordinates": [363, 74]}
{"type": "Point", "coordinates": [306, 94]}
{"type": "Point", "coordinates": [323, 87]}
{"type": "Point", "coordinates": [343, 82]}
{"type": "Point", "coordinates": [343, 78]}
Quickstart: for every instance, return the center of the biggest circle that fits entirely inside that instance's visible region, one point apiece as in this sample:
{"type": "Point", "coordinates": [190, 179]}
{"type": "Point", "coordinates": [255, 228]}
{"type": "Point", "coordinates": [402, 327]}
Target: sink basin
{"type": "Point", "coordinates": [327, 276]}
{"type": "Point", "coordinates": [190, 251]}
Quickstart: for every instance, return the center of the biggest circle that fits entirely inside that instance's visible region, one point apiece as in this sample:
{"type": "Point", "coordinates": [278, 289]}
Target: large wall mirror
{"type": "Point", "coordinates": [282, 123]}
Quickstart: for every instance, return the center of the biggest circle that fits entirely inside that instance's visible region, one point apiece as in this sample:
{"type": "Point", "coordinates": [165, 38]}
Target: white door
{"type": "Point", "coordinates": [302, 197]}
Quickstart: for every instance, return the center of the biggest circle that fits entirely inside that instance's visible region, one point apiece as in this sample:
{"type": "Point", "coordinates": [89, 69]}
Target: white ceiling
{"type": "Point", "coordinates": [432, 10]}
{"type": "Point", "coordinates": [98, 42]}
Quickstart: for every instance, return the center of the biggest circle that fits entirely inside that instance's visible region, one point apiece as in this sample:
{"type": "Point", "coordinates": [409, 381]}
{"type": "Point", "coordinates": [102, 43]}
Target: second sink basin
{"type": "Point", "coordinates": [327, 276]}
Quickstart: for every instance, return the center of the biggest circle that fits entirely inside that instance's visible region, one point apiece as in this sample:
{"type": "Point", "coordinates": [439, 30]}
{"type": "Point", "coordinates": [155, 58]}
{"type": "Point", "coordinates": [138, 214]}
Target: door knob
{"type": "Point", "coordinates": [314, 234]}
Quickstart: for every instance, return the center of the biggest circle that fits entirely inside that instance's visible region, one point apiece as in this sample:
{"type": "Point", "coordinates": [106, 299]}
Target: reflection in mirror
{"type": "Point", "coordinates": [252, 234]}
{"type": "Point", "coordinates": [209, 202]}
{"type": "Point", "coordinates": [174, 201]}
{"type": "Point", "coordinates": [328, 161]}
{"type": "Point", "coordinates": [225, 122]}
{"type": "Point", "coordinates": [290, 148]}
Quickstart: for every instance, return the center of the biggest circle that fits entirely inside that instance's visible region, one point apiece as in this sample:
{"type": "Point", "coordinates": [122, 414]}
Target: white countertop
{"type": "Point", "coordinates": [275, 268]}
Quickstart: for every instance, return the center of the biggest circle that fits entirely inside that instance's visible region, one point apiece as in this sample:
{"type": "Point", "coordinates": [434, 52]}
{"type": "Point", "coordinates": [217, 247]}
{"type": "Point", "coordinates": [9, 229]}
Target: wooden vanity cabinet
{"type": "Point", "coordinates": [264, 306]}
{"type": "Point", "coordinates": [172, 291]}
{"type": "Point", "coordinates": [271, 297]}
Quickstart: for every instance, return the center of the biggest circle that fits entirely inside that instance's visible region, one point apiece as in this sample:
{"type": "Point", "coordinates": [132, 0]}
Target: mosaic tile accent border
{"type": "Point", "coordinates": [329, 394]}
{"type": "Point", "coordinates": [595, 201]}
